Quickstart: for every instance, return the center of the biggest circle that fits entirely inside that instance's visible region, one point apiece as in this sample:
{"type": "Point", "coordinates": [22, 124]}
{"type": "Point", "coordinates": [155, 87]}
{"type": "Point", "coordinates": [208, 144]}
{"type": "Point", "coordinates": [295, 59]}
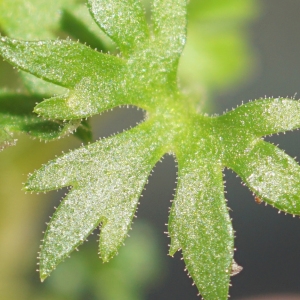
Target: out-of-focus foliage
{"type": "Point", "coordinates": [22, 216]}
{"type": "Point", "coordinates": [217, 54]}
{"type": "Point", "coordinates": [128, 276]}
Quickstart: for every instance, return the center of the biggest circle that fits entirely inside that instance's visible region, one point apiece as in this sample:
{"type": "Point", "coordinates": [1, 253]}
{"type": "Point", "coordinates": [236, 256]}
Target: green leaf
{"type": "Point", "coordinates": [6, 138]}
{"type": "Point", "coordinates": [90, 75]}
{"type": "Point", "coordinates": [199, 224]}
{"type": "Point", "coordinates": [169, 26]}
{"type": "Point", "coordinates": [107, 177]}
{"type": "Point", "coordinates": [51, 17]}
{"type": "Point", "coordinates": [16, 116]}
{"type": "Point", "coordinates": [265, 116]}
{"type": "Point", "coordinates": [272, 175]}
{"type": "Point", "coordinates": [123, 21]}
{"type": "Point", "coordinates": [37, 86]}
{"type": "Point", "coordinates": [62, 62]}
{"type": "Point", "coordinates": [24, 120]}
{"type": "Point", "coordinates": [106, 185]}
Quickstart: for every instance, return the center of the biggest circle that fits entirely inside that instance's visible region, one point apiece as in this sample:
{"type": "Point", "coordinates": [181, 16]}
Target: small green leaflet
{"type": "Point", "coordinates": [16, 116]}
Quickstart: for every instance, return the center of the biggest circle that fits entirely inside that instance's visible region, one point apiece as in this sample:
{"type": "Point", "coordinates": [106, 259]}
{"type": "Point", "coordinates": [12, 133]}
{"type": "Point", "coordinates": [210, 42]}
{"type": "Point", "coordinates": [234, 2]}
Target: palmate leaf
{"type": "Point", "coordinates": [107, 177]}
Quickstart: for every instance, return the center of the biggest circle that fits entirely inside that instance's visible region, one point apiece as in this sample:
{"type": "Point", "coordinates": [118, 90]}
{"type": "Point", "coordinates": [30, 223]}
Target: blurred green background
{"type": "Point", "coordinates": [236, 51]}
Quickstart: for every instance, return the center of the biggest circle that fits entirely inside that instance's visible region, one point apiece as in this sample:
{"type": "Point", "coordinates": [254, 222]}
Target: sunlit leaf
{"type": "Point", "coordinates": [169, 26]}
{"type": "Point", "coordinates": [106, 186]}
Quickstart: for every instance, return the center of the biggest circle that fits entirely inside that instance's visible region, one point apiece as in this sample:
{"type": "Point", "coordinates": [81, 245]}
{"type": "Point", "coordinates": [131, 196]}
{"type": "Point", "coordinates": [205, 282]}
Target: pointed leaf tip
{"type": "Point", "coordinates": [43, 276]}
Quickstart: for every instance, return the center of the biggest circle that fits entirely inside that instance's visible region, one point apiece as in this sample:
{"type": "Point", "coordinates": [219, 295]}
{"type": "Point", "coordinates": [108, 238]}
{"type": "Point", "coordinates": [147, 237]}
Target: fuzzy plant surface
{"type": "Point", "coordinates": [106, 178]}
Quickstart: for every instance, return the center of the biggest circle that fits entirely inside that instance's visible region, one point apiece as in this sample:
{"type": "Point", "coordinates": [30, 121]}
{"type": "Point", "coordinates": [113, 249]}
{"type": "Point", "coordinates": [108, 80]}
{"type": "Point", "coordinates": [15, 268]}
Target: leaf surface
{"type": "Point", "coordinates": [123, 21]}
{"type": "Point", "coordinates": [106, 186]}
{"type": "Point", "coordinates": [42, 12]}
{"type": "Point", "coordinates": [265, 116]}
{"type": "Point", "coordinates": [16, 116]}
{"type": "Point", "coordinates": [169, 26]}
{"type": "Point", "coordinates": [62, 62]}
{"type": "Point", "coordinates": [199, 223]}
{"type": "Point", "coordinates": [272, 175]}
{"type": "Point", "coordinates": [89, 75]}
